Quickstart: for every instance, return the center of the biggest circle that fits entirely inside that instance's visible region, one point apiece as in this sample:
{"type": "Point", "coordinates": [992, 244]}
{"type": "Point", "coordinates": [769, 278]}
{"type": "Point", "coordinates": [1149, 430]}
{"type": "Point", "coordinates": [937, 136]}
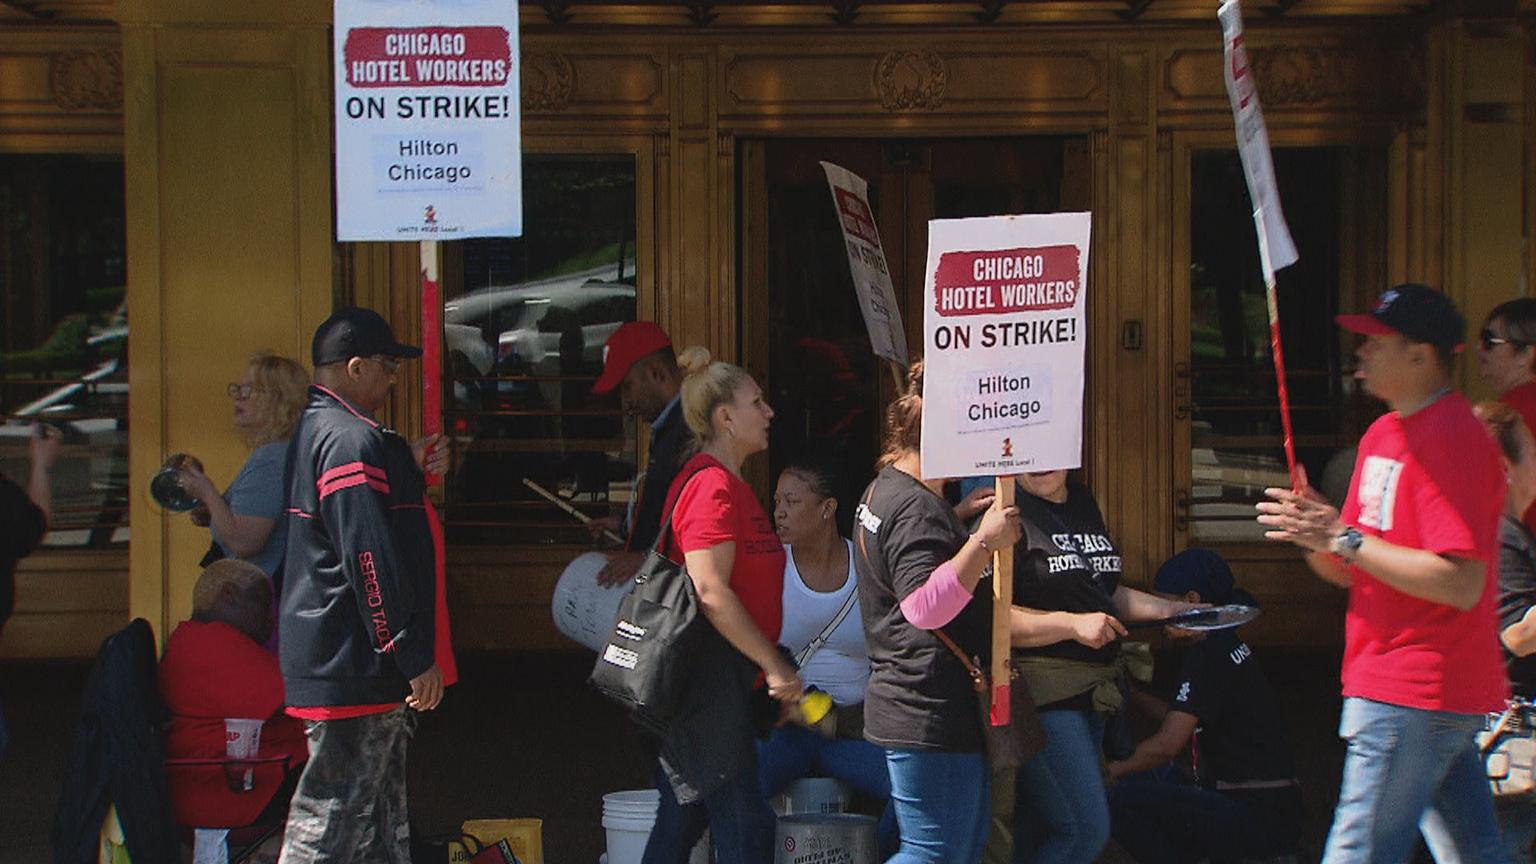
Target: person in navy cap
{"type": "Point", "coordinates": [1241, 799]}
{"type": "Point", "coordinates": [639, 362]}
{"type": "Point", "coordinates": [365, 642]}
{"type": "Point", "coordinates": [1417, 545]}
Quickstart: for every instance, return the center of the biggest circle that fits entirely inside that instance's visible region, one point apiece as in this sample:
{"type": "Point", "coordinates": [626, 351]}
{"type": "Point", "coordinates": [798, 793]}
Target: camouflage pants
{"type": "Point", "coordinates": [350, 804]}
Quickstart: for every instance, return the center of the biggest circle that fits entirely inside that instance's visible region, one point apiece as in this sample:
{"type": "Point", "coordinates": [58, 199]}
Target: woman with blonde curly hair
{"type": "Point", "coordinates": [245, 519]}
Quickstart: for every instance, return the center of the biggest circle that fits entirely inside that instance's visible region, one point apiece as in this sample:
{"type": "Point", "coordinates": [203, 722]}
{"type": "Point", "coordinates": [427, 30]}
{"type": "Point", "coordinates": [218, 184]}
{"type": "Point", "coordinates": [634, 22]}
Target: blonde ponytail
{"type": "Point", "coordinates": [707, 385]}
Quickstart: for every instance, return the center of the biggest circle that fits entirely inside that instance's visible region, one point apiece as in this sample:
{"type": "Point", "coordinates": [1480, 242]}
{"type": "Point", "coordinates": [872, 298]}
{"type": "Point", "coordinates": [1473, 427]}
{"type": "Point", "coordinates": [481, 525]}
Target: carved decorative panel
{"type": "Point", "coordinates": [548, 79]}
{"type": "Point", "coordinates": [911, 80]}
{"type": "Point", "coordinates": [1294, 75]}
{"type": "Point", "coordinates": [87, 80]}
{"type": "Point", "coordinates": [562, 82]}
{"type": "Point", "coordinates": [906, 80]}
{"type": "Point", "coordinates": [1323, 76]}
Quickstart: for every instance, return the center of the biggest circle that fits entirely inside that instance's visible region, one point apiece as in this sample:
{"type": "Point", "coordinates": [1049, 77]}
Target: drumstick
{"type": "Point", "coordinates": [564, 505]}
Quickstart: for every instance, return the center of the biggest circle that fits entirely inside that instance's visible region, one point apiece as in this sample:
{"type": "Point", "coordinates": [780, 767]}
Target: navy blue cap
{"type": "Point", "coordinates": [354, 332]}
{"type": "Point", "coordinates": [1198, 570]}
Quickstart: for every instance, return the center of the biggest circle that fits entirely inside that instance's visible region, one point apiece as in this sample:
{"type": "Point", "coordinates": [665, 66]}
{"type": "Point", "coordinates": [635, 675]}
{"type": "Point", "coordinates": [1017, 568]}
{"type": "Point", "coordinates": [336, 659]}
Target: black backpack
{"type": "Point", "coordinates": [644, 665]}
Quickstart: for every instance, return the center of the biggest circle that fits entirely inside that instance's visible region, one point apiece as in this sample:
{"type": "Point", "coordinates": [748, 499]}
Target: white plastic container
{"type": "Point", "coordinates": [628, 817]}
{"type": "Point", "coordinates": [584, 610]}
{"type": "Point", "coordinates": [813, 795]}
{"type": "Point", "coordinates": [810, 838]}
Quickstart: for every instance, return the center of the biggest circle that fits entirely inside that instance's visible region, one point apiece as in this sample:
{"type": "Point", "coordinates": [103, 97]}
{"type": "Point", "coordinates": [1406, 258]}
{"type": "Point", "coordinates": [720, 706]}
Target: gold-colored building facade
{"type": "Point", "coordinates": [222, 115]}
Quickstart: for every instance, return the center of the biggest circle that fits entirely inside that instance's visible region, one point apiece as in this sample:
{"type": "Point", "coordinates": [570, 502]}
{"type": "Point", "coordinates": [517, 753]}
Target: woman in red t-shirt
{"type": "Point", "coordinates": [733, 555]}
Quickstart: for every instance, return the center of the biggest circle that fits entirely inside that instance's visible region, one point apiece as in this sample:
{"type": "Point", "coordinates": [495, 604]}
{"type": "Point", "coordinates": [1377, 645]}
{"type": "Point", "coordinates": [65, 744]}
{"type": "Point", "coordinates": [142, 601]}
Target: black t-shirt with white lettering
{"type": "Point", "coordinates": [919, 694]}
{"type": "Point", "coordinates": [1241, 736]}
{"type": "Point", "coordinates": [1066, 563]}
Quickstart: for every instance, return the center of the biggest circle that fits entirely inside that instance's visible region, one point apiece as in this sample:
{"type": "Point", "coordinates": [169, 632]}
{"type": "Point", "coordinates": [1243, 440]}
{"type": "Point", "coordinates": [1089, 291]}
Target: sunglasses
{"type": "Point", "coordinates": [390, 364]}
{"type": "Point", "coordinates": [242, 391]}
{"type": "Point", "coordinates": [1490, 340]}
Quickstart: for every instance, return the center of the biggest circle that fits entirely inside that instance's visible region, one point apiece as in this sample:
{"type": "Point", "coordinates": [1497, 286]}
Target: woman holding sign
{"type": "Point", "coordinates": [1069, 605]}
{"type": "Point", "coordinates": [918, 569]}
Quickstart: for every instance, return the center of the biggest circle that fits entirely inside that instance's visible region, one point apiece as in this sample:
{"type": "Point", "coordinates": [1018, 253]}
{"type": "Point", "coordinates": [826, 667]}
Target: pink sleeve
{"type": "Point", "coordinates": [939, 600]}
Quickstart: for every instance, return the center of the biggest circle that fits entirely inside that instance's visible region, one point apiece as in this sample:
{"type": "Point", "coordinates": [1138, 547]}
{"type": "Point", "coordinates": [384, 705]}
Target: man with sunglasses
{"type": "Point", "coordinates": [1417, 546]}
{"type": "Point", "coordinates": [1505, 361]}
{"type": "Point", "coordinates": [364, 623]}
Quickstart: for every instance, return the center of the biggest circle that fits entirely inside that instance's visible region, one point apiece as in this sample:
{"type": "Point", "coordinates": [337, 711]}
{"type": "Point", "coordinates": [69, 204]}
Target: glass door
{"type": "Point", "coordinates": [1226, 412]}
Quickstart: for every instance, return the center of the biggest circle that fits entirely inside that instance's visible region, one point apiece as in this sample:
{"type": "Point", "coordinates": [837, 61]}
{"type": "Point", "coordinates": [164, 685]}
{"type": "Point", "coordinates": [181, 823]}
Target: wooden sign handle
{"type": "Point", "coordinates": [1002, 604]}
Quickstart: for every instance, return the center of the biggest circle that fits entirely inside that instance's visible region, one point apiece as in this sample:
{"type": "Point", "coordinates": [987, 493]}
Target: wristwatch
{"type": "Point", "coordinates": [1346, 544]}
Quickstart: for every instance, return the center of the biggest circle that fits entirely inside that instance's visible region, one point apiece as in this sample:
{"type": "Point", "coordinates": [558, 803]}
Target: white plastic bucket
{"type": "Point", "coordinates": [584, 610]}
{"type": "Point", "coordinates": [628, 817]}
{"type": "Point", "coordinates": [813, 795]}
{"type": "Point", "coordinates": [846, 838]}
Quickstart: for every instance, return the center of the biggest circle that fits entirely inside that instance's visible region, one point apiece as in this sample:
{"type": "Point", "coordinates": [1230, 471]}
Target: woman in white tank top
{"type": "Point", "coordinates": [822, 629]}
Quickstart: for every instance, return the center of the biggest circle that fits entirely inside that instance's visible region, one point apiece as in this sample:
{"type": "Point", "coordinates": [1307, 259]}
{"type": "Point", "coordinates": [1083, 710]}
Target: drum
{"type": "Point", "coordinates": [1508, 748]}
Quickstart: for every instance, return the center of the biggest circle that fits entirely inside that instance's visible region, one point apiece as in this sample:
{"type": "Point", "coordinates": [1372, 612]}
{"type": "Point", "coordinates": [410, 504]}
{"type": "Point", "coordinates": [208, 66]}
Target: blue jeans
{"type": "Point", "coordinates": [741, 824]}
{"type": "Point", "coordinates": [1408, 767]}
{"type": "Point", "coordinates": [1062, 811]}
{"type": "Point", "coordinates": [942, 805]}
{"type": "Point", "coordinates": [792, 752]}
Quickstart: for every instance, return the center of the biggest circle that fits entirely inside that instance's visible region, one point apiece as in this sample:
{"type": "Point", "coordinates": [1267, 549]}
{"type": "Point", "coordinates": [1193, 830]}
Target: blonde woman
{"type": "Point", "coordinates": [719, 530]}
{"type": "Point", "coordinates": [245, 519]}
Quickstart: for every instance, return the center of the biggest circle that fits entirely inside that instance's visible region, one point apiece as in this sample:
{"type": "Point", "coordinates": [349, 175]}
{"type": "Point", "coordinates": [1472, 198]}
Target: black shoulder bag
{"type": "Point", "coordinates": [645, 663]}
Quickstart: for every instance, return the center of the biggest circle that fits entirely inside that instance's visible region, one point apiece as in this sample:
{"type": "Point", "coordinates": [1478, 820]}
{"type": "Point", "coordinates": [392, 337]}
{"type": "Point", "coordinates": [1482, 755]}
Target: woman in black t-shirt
{"type": "Point", "coordinates": [1070, 603]}
{"type": "Point", "coordinates": [918, 568]}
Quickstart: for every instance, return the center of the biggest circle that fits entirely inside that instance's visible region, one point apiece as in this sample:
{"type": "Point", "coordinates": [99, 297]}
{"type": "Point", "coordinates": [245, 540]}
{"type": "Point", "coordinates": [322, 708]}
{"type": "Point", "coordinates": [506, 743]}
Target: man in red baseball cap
{"type": "Point", "coordinates": [639, 362]}
{"type": "Point", "coordinates": [1417, 546]}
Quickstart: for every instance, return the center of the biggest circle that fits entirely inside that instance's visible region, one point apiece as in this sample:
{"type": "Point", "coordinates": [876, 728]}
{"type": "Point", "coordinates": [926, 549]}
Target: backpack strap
{"type": "Point", "coordinates": [665, 532]}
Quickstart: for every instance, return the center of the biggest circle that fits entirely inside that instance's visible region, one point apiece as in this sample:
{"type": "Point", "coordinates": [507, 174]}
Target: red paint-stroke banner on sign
{"type": "Point", "coordinates": [1000, 281]}
{"type": "Point", "coordinates": [428, 57]}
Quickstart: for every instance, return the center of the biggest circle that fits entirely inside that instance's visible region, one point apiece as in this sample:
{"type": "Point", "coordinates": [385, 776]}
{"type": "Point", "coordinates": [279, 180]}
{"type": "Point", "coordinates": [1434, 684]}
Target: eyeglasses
{"type": "Point", "coordinates": [390, 364]}
{"type": "Point", "coordinates": [1491, 340]}
{"type": "Point", "coordinates": [242, 391]}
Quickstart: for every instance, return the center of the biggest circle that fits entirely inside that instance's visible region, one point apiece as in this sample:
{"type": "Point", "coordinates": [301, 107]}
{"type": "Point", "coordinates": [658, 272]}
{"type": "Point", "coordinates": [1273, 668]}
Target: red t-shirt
{"type": "Point", "coordinates": [1523, 400]}
{"type": "Point", "coordinates": [1432, 481]}
{"type": "Point", "coordinates": [211, 671]}
{"type": "Point", "coordinates": [715, 506]}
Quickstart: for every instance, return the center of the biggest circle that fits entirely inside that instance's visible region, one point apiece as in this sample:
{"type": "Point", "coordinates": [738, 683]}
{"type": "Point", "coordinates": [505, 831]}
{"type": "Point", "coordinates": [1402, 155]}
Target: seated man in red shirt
{"type": "Point", "coordinates": [215, 667]}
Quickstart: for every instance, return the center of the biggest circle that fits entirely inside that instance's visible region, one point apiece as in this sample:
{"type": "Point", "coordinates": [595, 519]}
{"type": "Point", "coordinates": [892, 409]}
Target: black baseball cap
{"type": "Point", "coordinates": [354, 332]}
{"type": "Point", "coordinates": [1198, 570]}
{"type": "Point", "coordinates": [1418, 312]}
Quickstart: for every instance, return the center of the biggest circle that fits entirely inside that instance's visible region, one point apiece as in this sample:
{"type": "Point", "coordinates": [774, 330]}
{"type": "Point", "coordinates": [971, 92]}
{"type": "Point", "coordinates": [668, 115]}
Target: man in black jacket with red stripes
{"type": "Point", "coordinates": [363, 625]}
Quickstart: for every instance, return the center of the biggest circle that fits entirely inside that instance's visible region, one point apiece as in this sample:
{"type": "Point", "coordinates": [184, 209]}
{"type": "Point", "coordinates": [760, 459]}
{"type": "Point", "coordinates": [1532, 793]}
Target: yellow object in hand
{"type": "Point", "coordinates": [814, 706]}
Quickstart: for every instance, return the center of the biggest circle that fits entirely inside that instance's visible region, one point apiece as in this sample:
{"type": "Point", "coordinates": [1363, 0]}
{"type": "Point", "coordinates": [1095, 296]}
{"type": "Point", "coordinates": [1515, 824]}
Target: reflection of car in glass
{"type": "Point", "coordinates": [522, 359]}
{"type": "Point", "coordinates": [563, 332]}
{"type": "Point", "coordinates": [554, 327]}
{"type": "Point", "coordinates": [90, 480]}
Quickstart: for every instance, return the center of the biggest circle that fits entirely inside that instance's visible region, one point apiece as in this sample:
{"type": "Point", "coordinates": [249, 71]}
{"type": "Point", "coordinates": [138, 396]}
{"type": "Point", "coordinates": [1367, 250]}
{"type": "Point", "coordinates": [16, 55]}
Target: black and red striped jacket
{"type": "Point", "coordinates": [357, 614]}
